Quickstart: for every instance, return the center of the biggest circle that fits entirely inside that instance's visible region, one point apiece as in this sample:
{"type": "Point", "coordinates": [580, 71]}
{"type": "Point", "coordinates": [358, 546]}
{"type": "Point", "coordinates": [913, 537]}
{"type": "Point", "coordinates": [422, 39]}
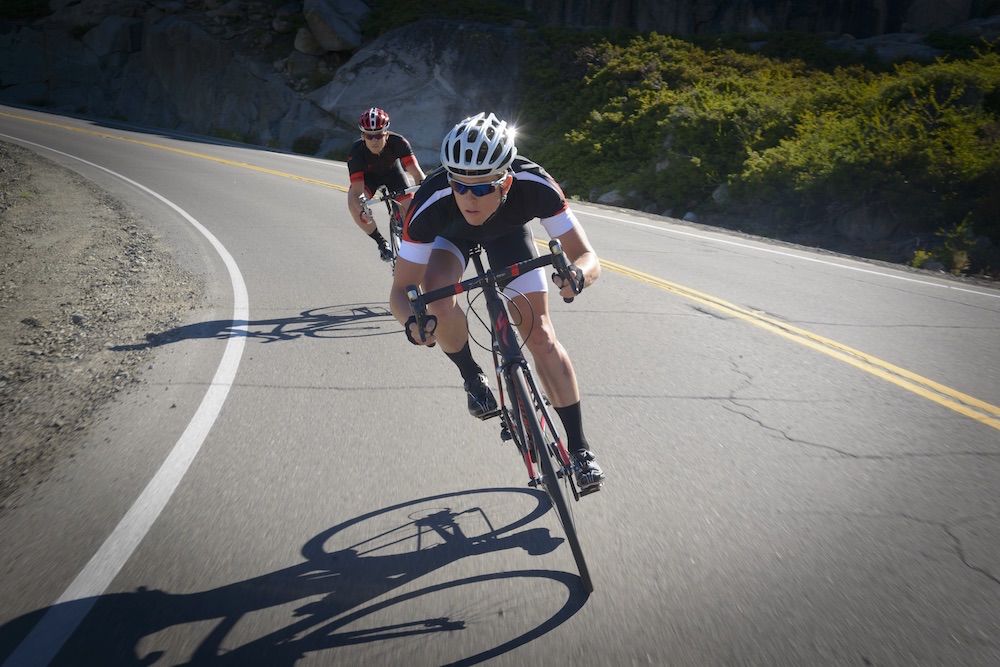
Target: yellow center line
{"type": "Point", "coordinates": [952, 399]}
{"type": "Point", "coordinates": [180, 151]}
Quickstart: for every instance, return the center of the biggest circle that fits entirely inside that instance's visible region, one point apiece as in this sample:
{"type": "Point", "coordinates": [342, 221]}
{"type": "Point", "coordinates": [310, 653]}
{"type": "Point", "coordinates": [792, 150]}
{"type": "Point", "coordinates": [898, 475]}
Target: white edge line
{"type": "Point", "coordinates": [705, 237]}
{"type": "Point", "coordinates": [61, 620]}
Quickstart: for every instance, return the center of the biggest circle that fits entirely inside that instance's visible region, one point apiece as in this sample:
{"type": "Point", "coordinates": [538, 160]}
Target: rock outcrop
{"type": "Point", "coordinates": [429, 76]}
{"type": "Point", "coordinates": [200, 67]}
{"type": "Point", "coordinates": [296, 75]}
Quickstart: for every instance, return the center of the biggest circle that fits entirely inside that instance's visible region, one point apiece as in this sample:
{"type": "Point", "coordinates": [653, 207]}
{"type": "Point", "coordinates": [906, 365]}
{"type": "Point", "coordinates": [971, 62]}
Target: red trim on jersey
{"type": "Point", "coordinates": [357, 176]}
{"type": "Point", "coordinates": [406, 161]}
{"type": "Point", "coordinates": [515, 270]}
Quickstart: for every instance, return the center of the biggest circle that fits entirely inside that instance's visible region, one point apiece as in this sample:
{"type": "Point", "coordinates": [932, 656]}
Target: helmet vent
{"type": "Point", "coordinates": [478, 146]}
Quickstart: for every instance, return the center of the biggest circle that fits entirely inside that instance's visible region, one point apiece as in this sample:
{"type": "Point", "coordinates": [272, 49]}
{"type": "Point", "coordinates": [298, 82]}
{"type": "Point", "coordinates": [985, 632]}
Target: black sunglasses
{"type": "Point", "coordinates": [478, 189]}
{"type": "Point", "coordinates": [374, 137]}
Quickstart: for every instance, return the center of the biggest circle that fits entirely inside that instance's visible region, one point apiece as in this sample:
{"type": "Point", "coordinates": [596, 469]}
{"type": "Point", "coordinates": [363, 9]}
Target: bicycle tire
{"type": "Point", "coordinates": [526, 402]}
{"type": "Point", "coordinates": [395, 237]}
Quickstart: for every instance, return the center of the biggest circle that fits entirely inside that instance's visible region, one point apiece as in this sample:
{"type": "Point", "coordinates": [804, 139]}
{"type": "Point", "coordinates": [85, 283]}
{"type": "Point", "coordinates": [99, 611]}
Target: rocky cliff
{"type": "Point", "coordinates": [296, 74]}
{"type": "Point", "coordinates": [292, 76]}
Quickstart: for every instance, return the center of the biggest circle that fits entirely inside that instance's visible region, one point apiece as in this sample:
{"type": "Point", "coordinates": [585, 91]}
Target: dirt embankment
{"type": "Point", "coordinates": [79, 274]}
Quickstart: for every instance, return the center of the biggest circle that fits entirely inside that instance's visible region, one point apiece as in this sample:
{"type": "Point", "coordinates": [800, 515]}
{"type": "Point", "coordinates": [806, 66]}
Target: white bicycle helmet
{"type": "Point", "coordinates": [478, 146]}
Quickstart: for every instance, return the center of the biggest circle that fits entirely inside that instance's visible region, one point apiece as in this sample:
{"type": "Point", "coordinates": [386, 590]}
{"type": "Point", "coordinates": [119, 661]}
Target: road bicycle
{"type": "Point", "coordinates": [525, 417]}
{"type": "Point", "coordinates": [395, 212]}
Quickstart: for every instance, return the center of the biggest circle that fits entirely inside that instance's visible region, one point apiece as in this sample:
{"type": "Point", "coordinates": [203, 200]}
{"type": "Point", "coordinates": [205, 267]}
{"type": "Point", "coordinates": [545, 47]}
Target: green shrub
{"type": "Point", "coordinates": [920, 257]}
{"type": "Point", "coordinates": [920, 143]}
{"type": "Point", "coordinates": [670, 121]}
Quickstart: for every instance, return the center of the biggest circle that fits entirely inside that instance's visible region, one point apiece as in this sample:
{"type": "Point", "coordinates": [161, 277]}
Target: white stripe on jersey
{"type": "Point", "coordinates": [440, 194]}
{"type": "Point", "coordinates": [530, 176]}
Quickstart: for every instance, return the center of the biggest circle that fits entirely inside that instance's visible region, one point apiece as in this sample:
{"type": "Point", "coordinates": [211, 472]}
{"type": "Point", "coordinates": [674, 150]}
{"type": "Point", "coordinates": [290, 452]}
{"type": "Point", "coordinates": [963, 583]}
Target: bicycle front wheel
{"type": "Point", "coordinates": [523, 394]}
{"type": "Point", "coordinates": [395, 237]}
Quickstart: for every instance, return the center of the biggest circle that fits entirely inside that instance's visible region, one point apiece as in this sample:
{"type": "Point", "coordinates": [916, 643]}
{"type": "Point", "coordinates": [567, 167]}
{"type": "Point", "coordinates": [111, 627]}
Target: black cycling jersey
{"type": "Point", "coordinates": [386, 168]}
{"type": "Point", "coordinates": [434, 211]}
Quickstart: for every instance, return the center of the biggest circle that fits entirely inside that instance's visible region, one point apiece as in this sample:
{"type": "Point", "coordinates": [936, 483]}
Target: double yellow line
{"type": "Point", "coordinates": [981, 411]}
{"type": "Point", "coordinates": [971, 407]}
{"type": "Point", "coordinates": [179, 151]}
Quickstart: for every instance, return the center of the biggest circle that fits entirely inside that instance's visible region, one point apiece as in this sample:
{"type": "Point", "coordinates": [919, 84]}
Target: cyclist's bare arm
{"type": "Point", "coordinates": [353, 206]}
{"type": "Point", "coordinates": [577, 247]}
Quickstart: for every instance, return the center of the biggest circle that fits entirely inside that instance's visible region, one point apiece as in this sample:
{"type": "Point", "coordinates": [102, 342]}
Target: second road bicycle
{"type": "Point", "coordinates": [384, 196]}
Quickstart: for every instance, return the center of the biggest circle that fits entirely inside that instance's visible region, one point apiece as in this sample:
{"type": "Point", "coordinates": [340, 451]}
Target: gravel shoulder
{"type": "Point", "coordinates": [79, 274]}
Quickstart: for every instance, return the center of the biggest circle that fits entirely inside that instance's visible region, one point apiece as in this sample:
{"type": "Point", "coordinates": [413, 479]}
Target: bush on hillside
{"type": "Point", "coordinates": [668, 122]}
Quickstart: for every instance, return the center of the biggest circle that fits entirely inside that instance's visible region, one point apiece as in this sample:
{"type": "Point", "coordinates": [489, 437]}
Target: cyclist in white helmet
{"type": "Point", "coordinates": [485, 193]}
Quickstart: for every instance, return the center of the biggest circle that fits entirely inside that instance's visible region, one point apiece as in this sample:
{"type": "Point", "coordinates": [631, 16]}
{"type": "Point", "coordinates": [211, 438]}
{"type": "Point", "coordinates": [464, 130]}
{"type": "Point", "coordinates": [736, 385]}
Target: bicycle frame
{"type": "Point", "coordinates": [508, 357]}
{"type": "Point", "coordinates": [526, 420]}
{"type": "Point", "coordinates": [507, 349]}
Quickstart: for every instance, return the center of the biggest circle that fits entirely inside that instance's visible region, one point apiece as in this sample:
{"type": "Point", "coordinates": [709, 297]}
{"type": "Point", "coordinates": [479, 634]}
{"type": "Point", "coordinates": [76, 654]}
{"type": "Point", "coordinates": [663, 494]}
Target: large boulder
{"type": "Point", "coordinates": [428, 76]}
{"type": "Point", "coordinates": [336, 24]}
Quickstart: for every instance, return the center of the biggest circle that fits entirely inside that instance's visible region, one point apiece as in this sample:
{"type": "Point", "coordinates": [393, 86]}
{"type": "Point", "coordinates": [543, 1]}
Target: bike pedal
{"type": "Point", "coordinates": [490, 415]}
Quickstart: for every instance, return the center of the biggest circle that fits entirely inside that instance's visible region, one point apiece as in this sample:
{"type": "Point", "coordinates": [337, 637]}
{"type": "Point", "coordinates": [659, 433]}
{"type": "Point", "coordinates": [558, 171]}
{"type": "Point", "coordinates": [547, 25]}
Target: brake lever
{"type": "Point", "coordinates": [562, 268]}
{"type": "Point", "coordinates": [420, 315]}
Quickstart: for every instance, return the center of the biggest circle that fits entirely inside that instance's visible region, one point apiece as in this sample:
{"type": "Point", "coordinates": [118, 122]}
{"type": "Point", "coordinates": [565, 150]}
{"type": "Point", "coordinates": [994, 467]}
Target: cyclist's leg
{"type": "Point", "coordinates": [371, 229]}
{"type": "Point", "coordinates": [445, 267]}
{"type": "Point", "coordinates": [551, 361]}
{"type": "Point", "coordinates": [530, 312]}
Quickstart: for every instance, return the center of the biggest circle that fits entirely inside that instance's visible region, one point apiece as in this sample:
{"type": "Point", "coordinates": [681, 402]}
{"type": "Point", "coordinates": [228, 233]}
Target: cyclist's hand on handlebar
{"type": "Point", "coordinates": [572, 285]}
{"type": "Point", "coordinates": [413, 331]}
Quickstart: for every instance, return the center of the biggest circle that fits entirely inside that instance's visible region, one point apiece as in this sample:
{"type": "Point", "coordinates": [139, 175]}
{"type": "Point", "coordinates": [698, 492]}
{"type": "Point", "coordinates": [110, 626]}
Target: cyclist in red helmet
{"type": "Point", "coordinates": [379, 157]}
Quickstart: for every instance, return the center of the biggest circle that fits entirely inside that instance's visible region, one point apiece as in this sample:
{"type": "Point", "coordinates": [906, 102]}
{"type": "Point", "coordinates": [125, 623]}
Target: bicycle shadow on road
{"type": "Point", "coordinates": [372, 557]}
{"type": "Point", "coordinates": [353, 320]}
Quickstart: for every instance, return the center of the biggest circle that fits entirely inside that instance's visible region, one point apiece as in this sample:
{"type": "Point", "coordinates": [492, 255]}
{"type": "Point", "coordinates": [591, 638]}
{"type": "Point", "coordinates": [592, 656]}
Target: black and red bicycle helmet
{"type": "Point", "coordinates": [373, 120]}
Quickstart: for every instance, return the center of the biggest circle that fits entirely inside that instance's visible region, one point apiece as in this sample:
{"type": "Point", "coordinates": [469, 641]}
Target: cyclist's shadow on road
{"type": "Point", "coordinates": [346, 578]}
{"type": "Point", "coordinates": [351, 320]}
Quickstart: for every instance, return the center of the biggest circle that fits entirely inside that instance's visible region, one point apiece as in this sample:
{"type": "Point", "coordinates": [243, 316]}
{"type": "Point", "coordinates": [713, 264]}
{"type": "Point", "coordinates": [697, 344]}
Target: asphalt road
{"type": "Point", "coordinates": [803, 455]}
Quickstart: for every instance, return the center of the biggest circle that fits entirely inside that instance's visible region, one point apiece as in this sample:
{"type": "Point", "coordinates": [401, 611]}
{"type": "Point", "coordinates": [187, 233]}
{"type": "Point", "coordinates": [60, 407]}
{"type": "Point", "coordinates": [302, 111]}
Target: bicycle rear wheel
{"type": "Point", "coordinates": [526, 398]}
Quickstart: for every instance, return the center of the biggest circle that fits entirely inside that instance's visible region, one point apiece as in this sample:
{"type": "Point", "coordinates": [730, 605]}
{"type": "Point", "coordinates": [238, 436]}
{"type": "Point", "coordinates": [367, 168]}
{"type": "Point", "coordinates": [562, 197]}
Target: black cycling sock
{"type": "Point", "coordinates": [467, 366]}
{"type": "Point", "coordinates": [377, 237]}
{"type": "Point", "coordinates": [572, 420]}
